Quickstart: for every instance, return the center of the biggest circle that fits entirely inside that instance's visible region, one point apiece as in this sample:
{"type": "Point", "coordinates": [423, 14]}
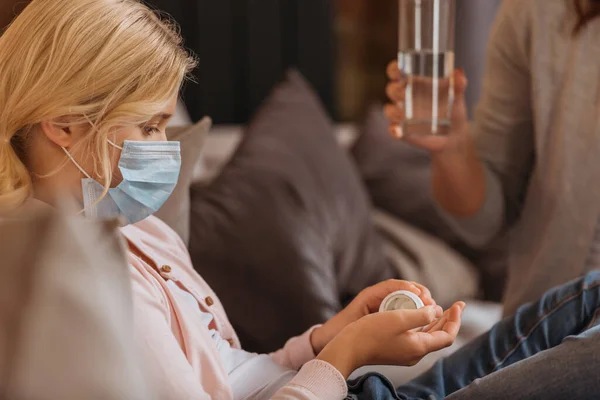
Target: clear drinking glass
{"type": "Point", "coordinates": [426, 57]}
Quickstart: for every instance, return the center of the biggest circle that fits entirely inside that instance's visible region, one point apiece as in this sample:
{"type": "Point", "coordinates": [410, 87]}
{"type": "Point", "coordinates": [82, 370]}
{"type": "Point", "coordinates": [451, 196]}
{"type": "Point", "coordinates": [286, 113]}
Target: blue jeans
{"type": "Point", "coordinates": [547, 350]}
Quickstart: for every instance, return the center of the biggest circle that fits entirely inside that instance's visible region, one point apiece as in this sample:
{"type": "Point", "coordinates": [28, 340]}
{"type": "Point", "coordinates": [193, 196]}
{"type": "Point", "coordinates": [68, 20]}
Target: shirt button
{"type": "Point", "coordinates": [231, 342]}
{"type": "Point", "coordinates": [166, 269]}
{"type": "Point", "coordinates": [209, 301]}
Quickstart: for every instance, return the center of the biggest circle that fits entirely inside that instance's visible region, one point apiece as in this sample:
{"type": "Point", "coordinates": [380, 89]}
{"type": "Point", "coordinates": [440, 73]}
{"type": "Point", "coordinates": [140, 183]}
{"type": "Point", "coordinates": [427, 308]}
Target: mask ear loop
{"type": "Point", "coordinates": [114, 145]}
{"type": "Point", "coordinates": [78, 167]}
{"type": "Point", "coordinates": [76, 164]}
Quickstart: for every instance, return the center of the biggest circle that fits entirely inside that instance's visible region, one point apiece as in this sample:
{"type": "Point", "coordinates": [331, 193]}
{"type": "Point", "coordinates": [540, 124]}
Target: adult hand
{"type": "Point", "coordinates": [458, 174]}
{"type": "Point", "coordinates": [395, 111]}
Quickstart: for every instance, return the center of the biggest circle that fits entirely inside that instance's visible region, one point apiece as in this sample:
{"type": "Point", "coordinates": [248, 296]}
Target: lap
{"type": "Point", "coordinates": [370, 387]}
{"type": "Point", "coordinates": [567, 371]}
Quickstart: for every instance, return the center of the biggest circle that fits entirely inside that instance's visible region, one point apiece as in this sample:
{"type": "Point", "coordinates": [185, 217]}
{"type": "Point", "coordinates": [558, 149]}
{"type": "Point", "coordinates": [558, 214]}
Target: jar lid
{"type": "Point", "coordinates": [401, 300]}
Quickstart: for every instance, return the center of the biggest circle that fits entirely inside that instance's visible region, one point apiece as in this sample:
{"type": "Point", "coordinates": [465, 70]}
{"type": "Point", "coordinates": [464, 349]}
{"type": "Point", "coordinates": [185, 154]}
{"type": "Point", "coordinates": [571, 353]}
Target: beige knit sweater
{"type": "Point", "coordinates": [537, 129]}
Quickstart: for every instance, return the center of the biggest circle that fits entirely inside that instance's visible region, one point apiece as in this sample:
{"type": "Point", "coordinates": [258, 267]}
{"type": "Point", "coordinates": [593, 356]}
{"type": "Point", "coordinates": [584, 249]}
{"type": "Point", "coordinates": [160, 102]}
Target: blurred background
{"type": "Point", "coordinates": [341, 46]}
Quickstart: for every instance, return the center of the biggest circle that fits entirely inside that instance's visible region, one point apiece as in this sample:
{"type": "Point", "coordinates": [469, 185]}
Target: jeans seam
{"type": "Point", "coordinates": [542, 319]}
{"type": "Point", "coordinates": [594, 320]}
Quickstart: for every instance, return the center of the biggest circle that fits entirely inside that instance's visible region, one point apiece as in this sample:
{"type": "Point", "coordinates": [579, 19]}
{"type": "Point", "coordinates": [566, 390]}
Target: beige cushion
{"type": "Point", "coordinates": [66, 311]}
{"type": "Point", "coordinates": [423, 258]}
{"type": "Point", "coordinates": [176, 211]}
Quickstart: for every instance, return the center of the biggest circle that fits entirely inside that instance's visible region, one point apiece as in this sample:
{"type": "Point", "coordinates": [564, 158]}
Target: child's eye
{"type": "Point", "coordinates": [151, 130]}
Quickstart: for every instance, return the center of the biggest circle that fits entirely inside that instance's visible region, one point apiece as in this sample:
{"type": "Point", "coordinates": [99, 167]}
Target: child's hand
{"type": "Point", "coordinates": [386, 338]}
{"type": "Point", "coordinates": [368, 302]}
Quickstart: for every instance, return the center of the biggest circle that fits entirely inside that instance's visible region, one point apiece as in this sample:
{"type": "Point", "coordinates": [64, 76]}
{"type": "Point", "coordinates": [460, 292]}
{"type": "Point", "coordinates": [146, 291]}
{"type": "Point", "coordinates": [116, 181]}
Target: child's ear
{"type": "Point", "coordinates": [57, 133]}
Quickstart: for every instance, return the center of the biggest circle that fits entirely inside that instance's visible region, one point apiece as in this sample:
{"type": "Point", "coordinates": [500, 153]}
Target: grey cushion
{"type": "Point", "coordinates": [284, 234]}
{"type": "Point", "coordinates": [176, 211]}
{"type": "Point", "coordinates": [66, 327]}
{"type": "Point", "coordinates": [398, 179]}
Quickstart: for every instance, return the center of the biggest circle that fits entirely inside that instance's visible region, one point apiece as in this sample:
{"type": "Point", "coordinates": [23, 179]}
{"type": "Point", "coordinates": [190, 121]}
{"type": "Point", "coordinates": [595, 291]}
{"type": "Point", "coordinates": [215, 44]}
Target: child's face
{"type": "Point", "coordinates": [56, 176]}
{"type": "Point", "coordinates": [153, 131]}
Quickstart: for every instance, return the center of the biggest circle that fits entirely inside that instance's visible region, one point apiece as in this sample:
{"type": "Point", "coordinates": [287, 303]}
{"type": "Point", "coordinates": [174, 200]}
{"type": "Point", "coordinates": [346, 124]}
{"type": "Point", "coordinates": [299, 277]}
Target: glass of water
{"type": "Point", "coordinates": [426, 57]}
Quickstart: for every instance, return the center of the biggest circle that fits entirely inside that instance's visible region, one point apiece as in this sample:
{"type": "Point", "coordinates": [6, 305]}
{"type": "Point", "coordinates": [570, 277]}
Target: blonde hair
{"type": "Point", "coordinates": [107, 63]}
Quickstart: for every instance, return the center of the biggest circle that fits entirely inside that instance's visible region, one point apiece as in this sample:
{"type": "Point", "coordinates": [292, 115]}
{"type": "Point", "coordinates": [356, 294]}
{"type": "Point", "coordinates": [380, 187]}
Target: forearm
{"type": "Point", "coordinates": [302, 349]}
{"type": "Point", "coordinates": [469, 195]}
{"type": "Point", "coordinates": [458, 180]}
{"type": "Point", "coordinates": [342, 355]}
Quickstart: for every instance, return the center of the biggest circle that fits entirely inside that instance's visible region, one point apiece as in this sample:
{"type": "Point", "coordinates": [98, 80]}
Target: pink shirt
{"type": "Point", "coordinates": [181, 357]}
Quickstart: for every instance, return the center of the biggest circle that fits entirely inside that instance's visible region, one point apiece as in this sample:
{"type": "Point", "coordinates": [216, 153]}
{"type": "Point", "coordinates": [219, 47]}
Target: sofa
{"type": "Point", "coordinates": [287, 219]}
{"type": "Point", "coordinates": [280, 180]}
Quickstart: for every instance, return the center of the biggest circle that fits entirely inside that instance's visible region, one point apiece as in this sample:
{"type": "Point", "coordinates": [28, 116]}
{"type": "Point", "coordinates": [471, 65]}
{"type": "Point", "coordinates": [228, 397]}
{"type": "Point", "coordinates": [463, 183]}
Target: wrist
{"type": "Point", "coordinates": [459, 150]}
{"type": "Point", "coordinates": [342, 355]}
{"type": "Point", "coordinates": [321, 336]}
{"type": "Point", "coordinates": [458, 179]}
{"type": "Point", "coordinates": [318, 339]}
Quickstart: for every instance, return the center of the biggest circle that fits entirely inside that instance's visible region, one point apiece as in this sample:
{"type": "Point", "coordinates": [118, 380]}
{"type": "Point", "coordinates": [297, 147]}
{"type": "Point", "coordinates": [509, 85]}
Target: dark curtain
{"type": "Point", "coordinates": [244, 46]}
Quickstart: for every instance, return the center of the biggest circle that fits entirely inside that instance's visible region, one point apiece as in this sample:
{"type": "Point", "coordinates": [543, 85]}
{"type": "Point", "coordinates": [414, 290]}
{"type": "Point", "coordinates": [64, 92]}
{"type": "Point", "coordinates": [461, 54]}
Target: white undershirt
{"type": "Point", "coordinates": [251, 376]}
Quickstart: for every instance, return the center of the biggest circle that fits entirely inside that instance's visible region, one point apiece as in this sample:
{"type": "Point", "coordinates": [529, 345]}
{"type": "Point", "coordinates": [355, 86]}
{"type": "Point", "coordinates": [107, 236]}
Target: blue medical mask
{"type": "Point", "coordinates": [150, 172]}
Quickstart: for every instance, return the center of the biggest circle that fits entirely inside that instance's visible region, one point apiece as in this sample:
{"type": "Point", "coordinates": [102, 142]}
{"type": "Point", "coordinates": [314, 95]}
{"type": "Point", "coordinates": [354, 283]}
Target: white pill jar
{"type": "Point", "coordinates": [401, 300]}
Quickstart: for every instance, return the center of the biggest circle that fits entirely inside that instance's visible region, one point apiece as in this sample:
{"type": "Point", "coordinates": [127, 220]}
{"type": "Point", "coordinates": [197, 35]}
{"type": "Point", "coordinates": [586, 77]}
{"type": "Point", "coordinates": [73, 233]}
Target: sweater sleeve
{"type": "Point", "coordinates": [296, 352]}
{"type": "Point", "coordinates": [316, 380]}
{"type": "Point", "coordinates": [503, 125]}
